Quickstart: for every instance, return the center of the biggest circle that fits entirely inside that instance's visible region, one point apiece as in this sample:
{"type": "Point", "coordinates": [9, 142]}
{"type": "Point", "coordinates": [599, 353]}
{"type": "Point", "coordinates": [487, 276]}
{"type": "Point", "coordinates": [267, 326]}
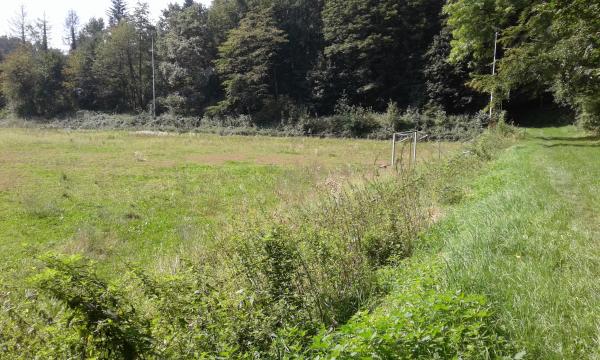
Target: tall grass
{"type": "Point", "coordinates": [257, 290]}
{"type": "Point", "coordinates": [527, 240]}
{"type": "Point", "coordinates": [263, 288]}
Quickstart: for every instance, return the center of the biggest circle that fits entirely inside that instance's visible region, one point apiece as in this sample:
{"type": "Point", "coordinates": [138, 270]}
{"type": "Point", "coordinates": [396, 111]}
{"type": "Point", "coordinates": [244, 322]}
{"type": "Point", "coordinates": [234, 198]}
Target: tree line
{"type": "Point", "coordinates": [276, 58]}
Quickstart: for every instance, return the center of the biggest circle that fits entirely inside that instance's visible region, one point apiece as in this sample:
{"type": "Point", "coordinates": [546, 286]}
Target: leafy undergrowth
{"type": "Point", "coordinates": [420, 320]}
{"type": "Point", "coordinates": [269, 287]}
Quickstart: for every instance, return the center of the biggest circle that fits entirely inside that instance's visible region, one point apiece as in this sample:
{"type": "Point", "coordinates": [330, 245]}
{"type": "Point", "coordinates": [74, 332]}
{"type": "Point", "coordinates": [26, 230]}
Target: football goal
{"type": "Point", "coordinates": [403, 139]}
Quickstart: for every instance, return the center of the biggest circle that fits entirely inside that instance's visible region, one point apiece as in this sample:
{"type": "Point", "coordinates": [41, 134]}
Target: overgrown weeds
{"type": "Point", "coordinates": [263, 289]}
{"type": "Point", "coordinates": [349, 121]}
{"type": "Point", "coordinates": [419, 321]}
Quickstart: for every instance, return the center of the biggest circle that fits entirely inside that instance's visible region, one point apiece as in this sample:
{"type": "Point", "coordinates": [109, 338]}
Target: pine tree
{"type": "Point", "coordinates": [71, 27]}
{"type": "Point", "coordinates": [40, 33]}
{"type": "Point", "coordinates": [117, 12]}
{"type": "Point", "coordinates": [19, 24]}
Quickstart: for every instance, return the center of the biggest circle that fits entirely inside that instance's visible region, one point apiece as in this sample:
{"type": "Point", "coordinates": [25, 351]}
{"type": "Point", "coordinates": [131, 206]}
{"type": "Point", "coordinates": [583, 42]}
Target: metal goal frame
{"type": "Point", "coordinates": [414, 136]}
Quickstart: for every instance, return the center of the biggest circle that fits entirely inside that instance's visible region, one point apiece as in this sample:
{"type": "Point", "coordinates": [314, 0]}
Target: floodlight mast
{"type": "Point", "coordinates": [493, 73]}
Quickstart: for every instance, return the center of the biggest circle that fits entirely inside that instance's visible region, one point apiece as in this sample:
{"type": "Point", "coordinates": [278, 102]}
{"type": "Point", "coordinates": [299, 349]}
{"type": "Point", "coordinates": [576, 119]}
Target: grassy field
{"type": "Point", "coordinates": [119, 197]}
{"type": "Point", "coordinates": [500, 260]}
{"type": "Point", "coordinates": [529, 239]}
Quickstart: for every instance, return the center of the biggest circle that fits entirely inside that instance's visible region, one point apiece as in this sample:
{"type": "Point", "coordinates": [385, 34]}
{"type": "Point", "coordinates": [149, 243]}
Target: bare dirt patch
{"type": "Point", "coordinates": [6, 184]}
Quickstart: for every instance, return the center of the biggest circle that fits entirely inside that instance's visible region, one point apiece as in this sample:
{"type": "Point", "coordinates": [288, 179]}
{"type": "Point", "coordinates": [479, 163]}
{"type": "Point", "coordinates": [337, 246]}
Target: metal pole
{"type": "Point", "coordinates": [153, 82]}
{"type": "Point", "coordinates": [493, 72]}
{"type": "Point", "coordinates": [394, 150]}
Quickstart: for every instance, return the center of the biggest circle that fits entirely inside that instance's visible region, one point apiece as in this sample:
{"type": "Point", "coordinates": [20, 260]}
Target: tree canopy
{"type": "Point", "coordinates": [548, 46]}
{"type": "Point", "coordinates": [264, 58]}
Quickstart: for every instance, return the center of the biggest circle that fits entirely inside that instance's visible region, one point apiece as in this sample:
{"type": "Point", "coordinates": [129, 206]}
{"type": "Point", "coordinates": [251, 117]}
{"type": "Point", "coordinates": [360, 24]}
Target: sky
{"type": "Point", "coordinates": [56, 12]}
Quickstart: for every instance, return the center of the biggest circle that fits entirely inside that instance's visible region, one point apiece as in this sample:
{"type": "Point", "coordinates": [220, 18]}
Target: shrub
{"type": "Point", "coordinates": [287, 119]}
{"type": "Point", "coordinates": [418, 321]}
{"type": "Point", "coordinates": [391, 120]}
{"type": "Point", "coordinates": [108, 324]}
{"type": "Point", "coordinates": [357, 121]}
{"type": "Point", "coordinates": [175, 104]}
{"type": "Point", "coordinates": [262, 290]}
{"type": "Point", "coordinates": [589, 117]}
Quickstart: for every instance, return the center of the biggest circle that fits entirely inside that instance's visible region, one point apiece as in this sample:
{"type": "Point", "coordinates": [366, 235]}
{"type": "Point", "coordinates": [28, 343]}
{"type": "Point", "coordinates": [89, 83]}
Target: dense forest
{"type": "Point", "coordinates": [277, 60]}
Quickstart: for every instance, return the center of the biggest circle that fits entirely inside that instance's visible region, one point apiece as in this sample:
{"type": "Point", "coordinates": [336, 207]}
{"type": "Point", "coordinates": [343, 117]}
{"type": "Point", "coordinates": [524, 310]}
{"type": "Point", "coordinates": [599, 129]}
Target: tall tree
{"type": "Point", "coordinates": [224, 16]}
{"type": "Point", "coordinates": [19, 24]}
{"type": "Point", "coordinates": [71, 29]}
{"type": "Point", "coordinates": [40, 33]}
{"type": "Point", "coordinates": [81, 79]}
{"type": "Point", "coordinates": [551, 46]}
{"type": "Point", "coordinates": [187, 51]}
{"type": "Point", "coordinates": [474, 23]}
{"type": "Point", "coordinates": [145, 33]}
{"type": "Point", "coordinates": [247, 63]}
{"type": "Point", "coordinates": [374, 50]}
{"type": "Point", "coordinates": [117, 12]}
{"type": "Point", "coordinates": [115, 71]}
{"type": "Point", "coordinates": [302, 22]}
{"type": "Point", "coordinates": [446, 82]}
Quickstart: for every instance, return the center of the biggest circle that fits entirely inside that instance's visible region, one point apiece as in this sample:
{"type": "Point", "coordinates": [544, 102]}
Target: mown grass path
{"type": "Point", "coordinates": [528, 237]}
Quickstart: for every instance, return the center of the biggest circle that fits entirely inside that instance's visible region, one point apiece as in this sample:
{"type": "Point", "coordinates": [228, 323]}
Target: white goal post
{"type": "Point", "coordinates": [414, 137]}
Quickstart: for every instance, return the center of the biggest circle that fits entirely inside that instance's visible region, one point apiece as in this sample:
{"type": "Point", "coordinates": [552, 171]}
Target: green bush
{"type": "Point", "coordinates": [263, 289]}
{"type": "Point", "coordinates": [391, 120]}
{"type": "Point", "coordinates": [107, 323]}
{"type": "Point", "coordinates": [357, 121]}
{"type": "Point", "coordinates": [589, 117]}
{"type": "Point", "coordinates": [418, 321]}
{"type": "Point", "coordinates": [290, 120]}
